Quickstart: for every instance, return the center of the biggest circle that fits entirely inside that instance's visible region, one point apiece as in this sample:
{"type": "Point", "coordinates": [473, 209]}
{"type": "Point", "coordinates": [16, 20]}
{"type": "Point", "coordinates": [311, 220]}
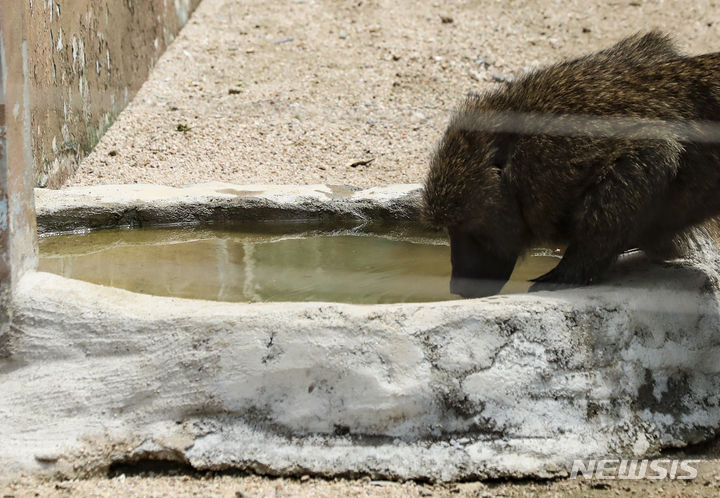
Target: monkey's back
{"type": "Point", "coordinates": [572, 118]}
{"type": "Point", "coordinates": [655, 90]}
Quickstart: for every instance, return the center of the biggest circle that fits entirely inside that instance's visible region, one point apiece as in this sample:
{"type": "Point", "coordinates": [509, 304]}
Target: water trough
{"type": "Point", "coordinates": [510, 385]}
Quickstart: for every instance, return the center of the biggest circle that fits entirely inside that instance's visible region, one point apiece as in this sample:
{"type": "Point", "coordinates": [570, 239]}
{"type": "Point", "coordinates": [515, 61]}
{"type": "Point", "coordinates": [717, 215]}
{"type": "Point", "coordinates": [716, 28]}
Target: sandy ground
{"type": "Point", "coordinates": [259, 92]}
{"type": "Point", "coordinates": [256, 92]}
{"type": "Point", "coordinates": [206, 485]}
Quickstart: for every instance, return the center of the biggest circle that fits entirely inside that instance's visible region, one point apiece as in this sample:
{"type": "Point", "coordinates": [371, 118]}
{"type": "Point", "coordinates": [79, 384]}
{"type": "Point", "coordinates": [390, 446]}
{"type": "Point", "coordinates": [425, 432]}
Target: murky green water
{"type": "Point", "coordinates": [278, 262]}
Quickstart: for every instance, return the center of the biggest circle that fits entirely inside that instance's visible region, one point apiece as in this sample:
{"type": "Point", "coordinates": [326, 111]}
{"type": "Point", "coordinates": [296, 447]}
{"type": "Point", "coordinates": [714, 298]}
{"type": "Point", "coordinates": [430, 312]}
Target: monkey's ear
{"type": "Point", "coordinates": [499, 159]}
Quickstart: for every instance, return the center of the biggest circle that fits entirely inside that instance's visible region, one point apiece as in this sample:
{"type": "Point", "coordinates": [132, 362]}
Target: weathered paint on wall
{"type": "Point", "coordinates": [87, 60]}
{"type": "Point", "coordinates": [4, 241]}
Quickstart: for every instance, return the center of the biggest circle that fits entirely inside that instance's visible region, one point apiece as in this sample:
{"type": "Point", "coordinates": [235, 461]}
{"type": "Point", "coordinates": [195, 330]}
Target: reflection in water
{"type": "Point", "coordinates": [259, 264]}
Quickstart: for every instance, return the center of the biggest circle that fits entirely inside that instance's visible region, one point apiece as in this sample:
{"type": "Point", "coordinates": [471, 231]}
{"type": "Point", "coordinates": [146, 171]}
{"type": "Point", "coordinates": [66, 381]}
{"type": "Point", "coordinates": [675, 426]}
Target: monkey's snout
{"type": "Point", "coordinates": [476, 272]}
{"type": "Point", "coordinates": [475, 287]}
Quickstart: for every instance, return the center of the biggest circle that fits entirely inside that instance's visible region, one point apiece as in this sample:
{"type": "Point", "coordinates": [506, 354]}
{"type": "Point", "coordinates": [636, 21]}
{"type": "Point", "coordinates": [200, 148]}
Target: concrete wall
{"type": "Point", "coordinates": [87, 58]}
{"type": "Point", "coordinates": [18, 250]}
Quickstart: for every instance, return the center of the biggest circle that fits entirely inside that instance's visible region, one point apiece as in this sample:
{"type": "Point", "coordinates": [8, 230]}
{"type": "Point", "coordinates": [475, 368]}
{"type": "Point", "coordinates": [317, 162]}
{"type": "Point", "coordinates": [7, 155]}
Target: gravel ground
{"type": "Point", "coordinates": [354, 92]}
{"type": "Point", "coordinates": [251, 92]}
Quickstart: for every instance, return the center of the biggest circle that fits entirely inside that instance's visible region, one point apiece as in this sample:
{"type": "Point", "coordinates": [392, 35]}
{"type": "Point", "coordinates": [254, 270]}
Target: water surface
{"type": "Point", "coordinates": [271, 262]}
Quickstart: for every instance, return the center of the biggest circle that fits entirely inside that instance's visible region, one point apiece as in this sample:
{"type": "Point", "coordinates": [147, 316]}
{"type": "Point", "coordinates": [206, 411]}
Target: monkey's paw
{"type": "Point", "coordinates": [549, 286]}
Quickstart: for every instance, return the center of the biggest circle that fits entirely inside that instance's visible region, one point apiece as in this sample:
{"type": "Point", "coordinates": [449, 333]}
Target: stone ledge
{"type": "Point", "coordinates": [108, 206]}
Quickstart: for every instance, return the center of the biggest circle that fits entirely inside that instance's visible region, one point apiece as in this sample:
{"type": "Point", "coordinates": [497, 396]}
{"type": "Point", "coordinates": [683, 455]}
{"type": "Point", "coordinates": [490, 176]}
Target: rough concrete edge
{"type": "Point", "coordinates": [112, 206]}
{"type": "Point", "coordinates": [211, 440]}
{"type": "Point", "coordinates": [99, 450]}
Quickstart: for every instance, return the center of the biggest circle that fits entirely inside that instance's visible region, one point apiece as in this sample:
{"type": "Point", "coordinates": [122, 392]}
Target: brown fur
{"type": "Point", "coordinates": [537, 161]}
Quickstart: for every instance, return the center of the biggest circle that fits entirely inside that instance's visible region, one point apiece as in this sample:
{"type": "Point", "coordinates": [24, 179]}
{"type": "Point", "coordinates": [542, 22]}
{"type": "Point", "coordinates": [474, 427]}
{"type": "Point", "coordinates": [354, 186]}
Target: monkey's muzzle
{"type": "Point", "coordinates": [476, 272]}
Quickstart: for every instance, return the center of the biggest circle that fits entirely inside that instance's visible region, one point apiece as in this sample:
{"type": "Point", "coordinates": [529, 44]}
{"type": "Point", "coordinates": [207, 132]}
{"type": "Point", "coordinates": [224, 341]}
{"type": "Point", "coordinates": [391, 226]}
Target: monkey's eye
{"type": "Point", "coordinates": [497, 166]}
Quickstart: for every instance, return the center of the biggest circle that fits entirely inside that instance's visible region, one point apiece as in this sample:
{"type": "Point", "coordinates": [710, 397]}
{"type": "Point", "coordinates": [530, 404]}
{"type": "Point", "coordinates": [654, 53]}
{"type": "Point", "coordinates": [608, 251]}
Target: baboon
{"type": "Point", "coordinates": [605, 153]}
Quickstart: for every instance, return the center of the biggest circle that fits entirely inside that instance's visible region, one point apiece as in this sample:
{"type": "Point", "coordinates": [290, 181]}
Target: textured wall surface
{"type": "Point", "coordinates": [86, 60]}
{"type": "Point", "coordinates": [17, 216]}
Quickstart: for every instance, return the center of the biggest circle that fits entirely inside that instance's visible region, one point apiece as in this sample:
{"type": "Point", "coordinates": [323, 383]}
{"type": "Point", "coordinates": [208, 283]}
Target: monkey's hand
{"type": "Point", "coordinates": [553, 280]}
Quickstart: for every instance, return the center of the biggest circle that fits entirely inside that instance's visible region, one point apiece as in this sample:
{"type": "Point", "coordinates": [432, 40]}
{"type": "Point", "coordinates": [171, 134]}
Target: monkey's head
{"type": "Point", "coordinates": [468, 192]}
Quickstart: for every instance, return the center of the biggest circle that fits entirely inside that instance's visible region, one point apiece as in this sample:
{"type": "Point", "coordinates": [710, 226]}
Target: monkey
{"type": "Point", "coordinates": [605, 153]}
